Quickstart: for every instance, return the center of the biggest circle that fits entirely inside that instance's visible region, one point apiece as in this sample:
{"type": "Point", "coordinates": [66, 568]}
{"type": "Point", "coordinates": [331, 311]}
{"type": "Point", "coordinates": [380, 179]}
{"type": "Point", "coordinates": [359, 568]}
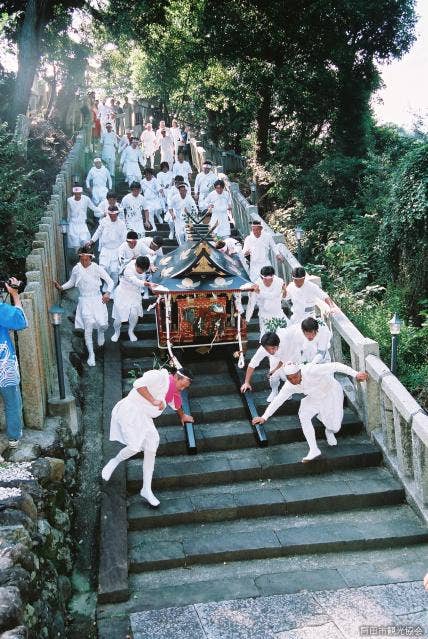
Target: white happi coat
{"type": "Point", "coordinates": [127, 295]}
{"type": "Point", "coordinates": [314, 351]}
{"type": "Point", "coordinates": [103, 114]}
{"type": "Point", "coordinates": [268, 301]}
{"type": "Point", "coordinates": [203, 185]}
{"type": "Point", "coordinates": [108, 152]}
{"type": "Point", "coordinates": [102, 209]}
{"type": "Point", "coordinates": [304, 300]}
{"type": "Point", "coordinates": [148, 138]}
{"type": "Point", "coordinates": [259, 248]}
{"type": "Point", "coordinates": [77, 211]}
{"type": "Point", "coordinates": [151, 254]}
{"type": "Point", "coordinates": [90, 308]}
{"type": "Point", "coordinates": [180, 205]}
{"type": "Point", "coordinates": [100, 182]}
{"type": "Point", "coordinates": [131, 160]}
{"type": "Point", "coordinates": [324, 394]}
{"type": "Point", "coordinates": [132, 417]}
{"type": "Point", "coordinates": [126, 253]}
{"type": "Point", "coordinates": [283, 354]}
{"type": "Point", "coordinates": [175, 134]}
{"type": "Point", "coordinates": [152, 198]}
{"type": "Point", "coordinates": [133, 210]}
{"type": "Point", "coordinates": [111, 235]}
{"type": "Point", "coordinates": [166, 146]}
{"type": "Point", "coordinates": [164, 180]}
{"type": "Point", "coordinates": [182, 168]}
{"type": "Point", "coordinates": [221, 204]}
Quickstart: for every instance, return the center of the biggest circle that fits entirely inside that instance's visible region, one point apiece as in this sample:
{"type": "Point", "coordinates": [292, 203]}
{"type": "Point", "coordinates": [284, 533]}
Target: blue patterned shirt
{"type": "Point", "coordinates": [11, 319]}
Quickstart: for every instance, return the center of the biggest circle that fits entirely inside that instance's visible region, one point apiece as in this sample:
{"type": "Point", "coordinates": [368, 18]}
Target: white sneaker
{"type": "Point", "coordinates": [132, 336]}
{"type": "Point", "coordinates": [108, 469]}
{"type": "Point", "coordinates": [171, 236]}
{"type": "Point", "coordinates": [149, 496]}
{"type": "Point", "coordinates": [311, 455]}
{"type": "Point", "coordinates": [13, 443]}
{"type": "Point", "coordinates": [272, 396]}
{"type": "Point", "coordinates": [330, 437]}
{"type": "Point", "coordinates": [91, 360]}
{"type": "Point", "coordinates": [101, 339]}
{"type": "Point", "coordinates": [115, 337]}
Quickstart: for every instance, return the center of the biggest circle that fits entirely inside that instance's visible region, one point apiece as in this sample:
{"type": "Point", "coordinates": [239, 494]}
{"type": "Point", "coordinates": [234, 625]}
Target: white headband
{"type": "Point", "coordinates": [290, 368]}
{"type": "Point", "coordinates": [77, 189]}
{"type": "Point", "coordinates": [97, 160]}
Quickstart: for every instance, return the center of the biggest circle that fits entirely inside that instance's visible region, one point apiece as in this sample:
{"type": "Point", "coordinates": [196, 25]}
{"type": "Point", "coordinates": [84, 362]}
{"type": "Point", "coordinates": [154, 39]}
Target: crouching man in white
{"type": "Point", "coordinates": [91, 309]}
{"type": "Point", "coordinates": [324, 399]}
{"type": "Point", "coordinates": [127, 305]}
{"type": "Point", "coordinates": [278, 349]}
{"type": "Point", "coordinates": [132, 421]}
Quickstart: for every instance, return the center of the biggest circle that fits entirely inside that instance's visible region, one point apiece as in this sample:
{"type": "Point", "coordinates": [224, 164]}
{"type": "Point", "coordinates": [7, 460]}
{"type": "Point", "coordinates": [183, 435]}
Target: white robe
{"type": "Point", "coordinates": [127, 295]}
{"type": "Point", "coordinates": [324, 395]}
{"type": "Point", "coordinates": [77, 211]}
{"type": "Point", "coordinates": [314, 351]}
{"type": "Point", "coordinates": [183, 169]}
{"type": "Point", "coordinates": [175, 134]}
{"type": "Point", "coordinates": [166, 146]}
{"type": "Point", "coordinates": [131, 160]}
{"type": "Point", "coordinates": [110, 236]}
{"type": "Point", "coordinates": [180, 206]}
{"type": "Point", "coordinates": [164, 181]}
{"type": "Point", "coordinates": [132, 417]}
{"type": "Point", "coordinates": [90, 308]}
{"type": "Point", "coordinates": [203, 185]}
{"type": "Point", "coordinates": [259, 248]}
{"type": "Point", "coordinates": [152, 198]}
{"type": "Point", "coordinates": [133, 210]}
{"type": "Point", "coordinates": [304, 300]}
{"type": "Point", "coordinates": [108, 150]}
{"type": "Point", "coordinates": [100, 182]}
{"type": "Point", "coordinates": [148, 138]}
{"type": "Point", "coordinates": [269, 302]}
{"type": "Point", "coordinates": [221, 203]}
{"type": "Point", "coordinates": [126, 253]}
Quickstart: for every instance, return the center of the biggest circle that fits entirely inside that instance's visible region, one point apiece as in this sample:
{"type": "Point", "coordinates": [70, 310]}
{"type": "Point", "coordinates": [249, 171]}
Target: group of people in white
{"type": "Point", "coordinates": [297, 346]}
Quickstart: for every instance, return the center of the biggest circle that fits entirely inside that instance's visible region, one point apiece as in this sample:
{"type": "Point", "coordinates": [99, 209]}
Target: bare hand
{"type": "Point", "coordinates": [255, 288]}
{"type": "Point", "coordinates": [186, 418]}
{"type": "Point", "coordinates": [245, 386]}
{"type": "Point", "coordinates": [362, 376]}
{"type": "Point", "coordinates": [158, 403]}
{"type": "Point", "coordinates": [105, 298]}
{"type": "Point", "coordinates": [258, 420]}
{"type": "Point", "coordinates": [57, 285]}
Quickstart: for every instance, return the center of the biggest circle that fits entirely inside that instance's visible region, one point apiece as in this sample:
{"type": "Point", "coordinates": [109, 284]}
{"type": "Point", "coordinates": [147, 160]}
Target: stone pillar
{"type": "Point", "coordinates": [420, 455]}
{"type": "Point", "coordinates": [33, 390]}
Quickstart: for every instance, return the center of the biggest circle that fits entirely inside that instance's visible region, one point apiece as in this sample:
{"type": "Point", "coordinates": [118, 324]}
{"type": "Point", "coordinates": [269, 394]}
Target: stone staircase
{"type": "Point", "coordinates": [237, 520]}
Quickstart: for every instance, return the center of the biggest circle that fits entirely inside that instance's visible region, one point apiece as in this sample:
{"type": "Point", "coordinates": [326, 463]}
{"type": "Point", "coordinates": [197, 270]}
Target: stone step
{"type": "Point", "coordinates": [210, 437]}
{"type": "Point", "coordinates": [280, 461]}
{"type": "Point", "coordinates": [200, 367]}
{"type": "Point", "coordinates": [269, 498]}
{"type": "Point", "coordinates": [382, 527]}
{"type": "Point", "coordinates": [263, 577]}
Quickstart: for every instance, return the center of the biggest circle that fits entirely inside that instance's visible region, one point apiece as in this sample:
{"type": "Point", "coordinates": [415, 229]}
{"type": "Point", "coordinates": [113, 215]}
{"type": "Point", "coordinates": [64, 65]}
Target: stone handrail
{"type": "Point", "coordinates": [44, 264]}
{"type": "Point", "coordinates": [390, 414]}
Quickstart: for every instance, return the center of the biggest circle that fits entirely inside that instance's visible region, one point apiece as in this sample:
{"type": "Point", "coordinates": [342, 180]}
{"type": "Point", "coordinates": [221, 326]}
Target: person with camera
{"type": "Point", "coordinates": [12, 318]}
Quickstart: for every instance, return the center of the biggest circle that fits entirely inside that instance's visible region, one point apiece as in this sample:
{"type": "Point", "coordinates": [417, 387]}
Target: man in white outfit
{"type": "Point", "coordinates": [182, 167]}
{"type": "Point", "coordinates": [127, 305]}
{"type": "Point", "coordinates": [151, 192]}
{"type": "Point", "coordinates": [135, 211]}
{"type": "Point", "coordinates": [219, 204]}
{"type": "Point", "coordinates": [103, 207]}
{"type": "Point", "coordinates": [148, 138]}
{"type": "Point", "coordinates": [98, 181]}
{"type": "Point", "coordinates": [91, 310]}
{"type": "Point", "coordinates": [132, 421]}
{"type": "Point", "coordinates": [324, 399]}
{"type": "Point", "coordinates": [77, 213]}
{"type": "Point", "coordinates": [268, 292]}
{"type": "Point", "coordinates": [304, 295]}
{"type": "Point", "coordinates": [278, 349]}
{"type": "Point", "coordinates": [109, 144]}
{"type": "Point", "coordinates": [127, 111]}
{"type": "Point", "coordinates": [257, 246]}
{"type": "Point", "coordinates": [111, 233]}
{"type": "Point", "coordinates": [204, 183]}
{"type": "Point", "coordinates": [164, 178]}
{"type": "Point", "coordinates": [175, 134]}
{"type": "Point", "coordinates": [131, 160]}
{"type": "Point", "coordinates": [166, 147]}
{"type": "Point", "coordinates": [179, 205]}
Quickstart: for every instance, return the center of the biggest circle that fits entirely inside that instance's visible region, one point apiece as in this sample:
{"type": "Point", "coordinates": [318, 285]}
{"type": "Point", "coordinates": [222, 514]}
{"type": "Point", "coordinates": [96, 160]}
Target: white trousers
{"type": "Point", "coordinates": [329, 410]}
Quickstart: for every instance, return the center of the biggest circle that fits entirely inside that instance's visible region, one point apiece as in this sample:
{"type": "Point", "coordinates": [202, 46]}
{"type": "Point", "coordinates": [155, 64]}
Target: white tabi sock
{"type": "Point", "coordinates": [133, 319]}
{"type": "Point", "coordinates": [116, 326]}
{"type": "Point", "coordinates": [148, 468]}
{"type": "Point", "coordinates": [122, 455]}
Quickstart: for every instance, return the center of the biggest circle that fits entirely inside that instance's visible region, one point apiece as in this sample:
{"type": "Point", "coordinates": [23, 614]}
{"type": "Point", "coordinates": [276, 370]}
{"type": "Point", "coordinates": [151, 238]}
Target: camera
{"type": "Point", "coordinates": [5, 279]}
